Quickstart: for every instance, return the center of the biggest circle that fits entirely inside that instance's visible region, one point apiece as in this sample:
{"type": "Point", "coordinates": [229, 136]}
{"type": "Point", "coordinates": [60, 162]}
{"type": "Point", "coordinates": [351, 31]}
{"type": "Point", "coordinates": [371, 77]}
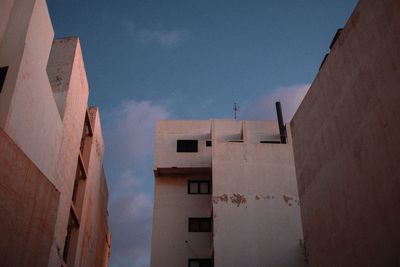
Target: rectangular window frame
{"type": "Point", "coordinates": [199, 221]}
{"type": "Point", "coordinates": [198, 182]}
{"type": "Point", "coordinates": [187, 146]}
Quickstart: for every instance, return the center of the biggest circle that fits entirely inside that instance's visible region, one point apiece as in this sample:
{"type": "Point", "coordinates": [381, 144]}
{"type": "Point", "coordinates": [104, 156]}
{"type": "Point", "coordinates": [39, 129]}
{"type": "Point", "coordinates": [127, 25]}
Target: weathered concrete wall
{"type": "Point", "coordinates": [172, 243]}
{"type": "Point", "coordinates": [255, 201]}
{"type": "Point", "coordinates": [73, 75]}
{"type": "Point", "coordinates": [28, 208]}
{"type": "Point", "coordinates": [42, 108]}
{"type": "Point", "coordinates": [347, 146]}
{"type": "Point", "coordinates": [28, 113]}
{"type": "Point", "coordinates": [93, 243]}
{"type": "Point", "coordinates": [168, 132]}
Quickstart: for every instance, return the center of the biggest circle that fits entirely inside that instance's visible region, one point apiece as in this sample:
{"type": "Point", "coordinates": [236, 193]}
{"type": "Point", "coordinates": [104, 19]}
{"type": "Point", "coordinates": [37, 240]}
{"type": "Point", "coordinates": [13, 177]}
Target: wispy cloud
{"type": "Point", "coordinates": [264, 108]}
{"type": "Point", "coordinates": [164, 38]}
{"type": "Point", "coordinates": [131, 230]}
{"type": "Point", "coordinates": [129, 132]}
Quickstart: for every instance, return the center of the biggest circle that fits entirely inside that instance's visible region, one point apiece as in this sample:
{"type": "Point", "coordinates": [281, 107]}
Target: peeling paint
{"type": "Point", "coordinates": [222, 198]}
{"type": "Point", "coordinates": [289, 199]}
{"type": "Point", "coordinates": [238, 199]}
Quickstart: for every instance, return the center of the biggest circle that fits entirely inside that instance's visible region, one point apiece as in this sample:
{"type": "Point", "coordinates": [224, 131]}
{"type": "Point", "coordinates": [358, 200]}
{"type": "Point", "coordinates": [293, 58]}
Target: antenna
{"type": "Point", "coordinates": [236, 108]}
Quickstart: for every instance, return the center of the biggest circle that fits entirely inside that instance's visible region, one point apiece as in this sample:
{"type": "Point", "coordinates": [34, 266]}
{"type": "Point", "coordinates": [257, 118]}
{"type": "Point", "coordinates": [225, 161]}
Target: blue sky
{"type": "Point", "coordinates": [149, 60]}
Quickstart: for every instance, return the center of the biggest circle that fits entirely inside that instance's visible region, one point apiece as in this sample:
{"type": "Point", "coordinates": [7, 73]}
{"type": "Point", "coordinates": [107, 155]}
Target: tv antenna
{"type": "Point", "coordinates": [236, 108]}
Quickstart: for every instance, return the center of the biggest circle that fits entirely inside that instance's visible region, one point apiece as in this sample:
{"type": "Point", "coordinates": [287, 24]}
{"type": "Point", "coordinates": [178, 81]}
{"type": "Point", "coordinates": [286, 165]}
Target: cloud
{"type": "Point", "coordinates": [130, 222]}
{"type": "Point", "coordinates": [264, 108]}
{"type": "Point", "coordinates": [165, 38]}
{"type": "Point", "coordinates": [129, 131]}
{"type": "Point", "coordinates": [130, 134]}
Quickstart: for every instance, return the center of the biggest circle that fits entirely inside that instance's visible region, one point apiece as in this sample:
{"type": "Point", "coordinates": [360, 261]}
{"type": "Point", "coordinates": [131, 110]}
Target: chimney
{"type": "Point", "coordinates": [282, 127]}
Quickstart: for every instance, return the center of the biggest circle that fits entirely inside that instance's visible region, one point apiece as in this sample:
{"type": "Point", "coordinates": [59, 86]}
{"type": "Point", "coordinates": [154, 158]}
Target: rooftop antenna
{"type": "Point", "coordinates": [236, 108]}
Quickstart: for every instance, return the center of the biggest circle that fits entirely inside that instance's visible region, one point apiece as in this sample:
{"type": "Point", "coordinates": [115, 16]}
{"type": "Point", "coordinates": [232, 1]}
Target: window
{"type": "Point", "coordinates": [208, 143]}
{"type": "Point", "coordinates": [199, 187]}
{"type": "Point", "coordinates": [199, 224]}
{"type": "Point", "coordinates": [270, 142]}
{"type": "Point", "coordinates": [72, 225]}
{"type": "Point", "coordinates": [3, 73]}
{"type": "Point", "coordinates": [200, 262]}
{"type": "Point", "coordinates": [186, 146]}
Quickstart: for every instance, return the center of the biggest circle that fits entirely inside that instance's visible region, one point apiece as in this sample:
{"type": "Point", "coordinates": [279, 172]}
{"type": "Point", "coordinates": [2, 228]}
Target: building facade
{"type": "Point", "coordinates": [225, 195]}
{"type": "Point", "coordinates": [53, 192]}
{"type": "Point", "coordinates": [346, 144]}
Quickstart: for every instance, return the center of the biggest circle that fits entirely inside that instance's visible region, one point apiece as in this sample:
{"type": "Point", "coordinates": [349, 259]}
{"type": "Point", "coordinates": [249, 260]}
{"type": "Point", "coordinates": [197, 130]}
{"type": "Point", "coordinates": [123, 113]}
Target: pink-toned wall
{"type": "Point", "coordinates": [94, 240]}
{"type": "Point", "coordinates": [28, 112]}
{"type": "Point", "coordinates": [43, 105]}
{"type": "Point", "coordinates": [66, 64]}
{"type": "Point", "coordinates": [346, 137]}
{"type": "Point", "coordinates": [28, 208]}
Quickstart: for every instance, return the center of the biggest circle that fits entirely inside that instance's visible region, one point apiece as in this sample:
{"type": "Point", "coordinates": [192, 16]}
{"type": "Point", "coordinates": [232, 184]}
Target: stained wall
{"type": "Point", "coordinates": [28, 208]}
{"type": "Point", "coordinates": [347, 147]}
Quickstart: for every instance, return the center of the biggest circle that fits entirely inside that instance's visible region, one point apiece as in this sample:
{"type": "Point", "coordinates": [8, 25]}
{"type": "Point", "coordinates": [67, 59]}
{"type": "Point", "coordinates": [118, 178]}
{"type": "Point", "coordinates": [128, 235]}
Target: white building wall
{"type": "Point", "coordinates": [172, 243]}
{"type": "Point", "coordinates": [168, 131]}
{"type": "Point", "coordinates": [28, 113]}
{"type": "Point", "coordinates": [255, 200]}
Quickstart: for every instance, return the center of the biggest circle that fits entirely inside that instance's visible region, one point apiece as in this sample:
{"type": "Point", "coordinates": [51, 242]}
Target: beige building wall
{"type": "Point", "coordinates": [28, 208]}
{"type": "Point", "coordinates": [253, 203]}
{"type": "Point", "coordinates": [43, 110]}
{"type": "Point", "coordinates": [28, 113]}
{"type": "Point", "coordinates": [172, 243]}
{"type": "Point", "coordinates": [346, 144]}
{"type": "Point", "coordinates": [256, 211]}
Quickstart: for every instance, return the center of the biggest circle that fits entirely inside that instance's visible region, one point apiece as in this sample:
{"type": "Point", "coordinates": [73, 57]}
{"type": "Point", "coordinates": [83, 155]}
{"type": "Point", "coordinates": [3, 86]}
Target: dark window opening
{"type": "Point", "coordinates": [199, 187]}
{"type": "Point", "coordinates": [186, 146]}
{"type": "Point", "coordinates": [200, 263]}
{"type": "Point", "coordinates": [199, 224]}
{"type": "Point", "coordinates": [72, 223]}
{"type": "Point", "coordinates": [270, 142]}
{"type": "Point", "coordinates": [3, 73]}
{"type": "Point", "coordinates": [208, 143]}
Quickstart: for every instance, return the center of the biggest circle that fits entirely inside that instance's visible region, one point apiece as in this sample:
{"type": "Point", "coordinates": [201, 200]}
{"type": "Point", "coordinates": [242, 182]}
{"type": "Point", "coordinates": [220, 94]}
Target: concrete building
{"type": "Point", "coordinates": [225, 195]}
{"type": "Point", "coordinates": [53, 193]}
{"type": "Point", "coordinates": [346, 137]}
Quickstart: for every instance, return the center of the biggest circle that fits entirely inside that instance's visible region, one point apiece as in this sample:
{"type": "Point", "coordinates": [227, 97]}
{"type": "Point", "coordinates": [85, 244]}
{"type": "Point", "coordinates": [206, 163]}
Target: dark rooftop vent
{"type": "Point", "coordinates": [282, 127]}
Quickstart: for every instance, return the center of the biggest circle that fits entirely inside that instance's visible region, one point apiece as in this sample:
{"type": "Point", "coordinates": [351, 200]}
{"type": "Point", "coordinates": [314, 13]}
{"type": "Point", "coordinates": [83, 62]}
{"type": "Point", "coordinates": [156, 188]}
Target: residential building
{"type": "Point", "coordinates": [53, 192]}
{"type": "Point", "coordinates": [347, 146]}
{"type": "Point", "coordinates": [225, 195]}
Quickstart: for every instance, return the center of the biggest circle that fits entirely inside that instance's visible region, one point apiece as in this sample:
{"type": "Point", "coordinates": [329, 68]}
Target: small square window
{"type": "Point", "coordinates": [3, 73]}
{"type": "Point", "coordinates": [208, 143]}
{"type": "Point", "coordinates": [193, 188]}
{"type": "Point", "coordinates": [199, 224]}
{"type": "Point", "coordinates": [204, 187]}
{"type": "Point", "coordinates": [199, 187]}
{"type": "Point", "coordinates": [186, 146]}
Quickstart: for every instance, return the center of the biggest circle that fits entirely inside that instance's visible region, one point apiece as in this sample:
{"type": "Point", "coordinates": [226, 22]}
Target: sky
{"type": "Point", "coordinates": [148, 60]}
